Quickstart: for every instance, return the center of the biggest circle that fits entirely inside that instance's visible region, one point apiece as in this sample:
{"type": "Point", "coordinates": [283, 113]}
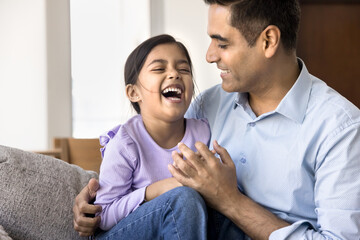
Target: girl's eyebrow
{"type": "Point", "coordinates": [157, 61]}
{"type": "Point", "coordinates": [183, 61]}
{"type": "Point", "coordinates": [164, 61]}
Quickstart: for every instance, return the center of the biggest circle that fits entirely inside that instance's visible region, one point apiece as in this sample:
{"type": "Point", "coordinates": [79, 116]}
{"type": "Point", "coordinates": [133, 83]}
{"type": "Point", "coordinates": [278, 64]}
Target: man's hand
{"type": "Point", "coordinates": [86, 225]}
{"type": "Point", "coordinates": [213, 178]}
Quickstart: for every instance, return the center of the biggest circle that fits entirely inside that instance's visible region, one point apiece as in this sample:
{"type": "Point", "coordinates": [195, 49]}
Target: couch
{"type": "Point", "coordinates": [37, 194]}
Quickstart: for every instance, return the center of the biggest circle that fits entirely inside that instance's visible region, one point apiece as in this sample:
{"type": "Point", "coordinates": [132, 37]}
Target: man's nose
{"type": "Point", "coordinates": [211, 54]}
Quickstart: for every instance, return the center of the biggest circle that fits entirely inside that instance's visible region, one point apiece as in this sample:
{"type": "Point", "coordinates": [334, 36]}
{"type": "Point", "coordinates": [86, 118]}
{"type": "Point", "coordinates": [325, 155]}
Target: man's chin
{"type": "Point", "coordinates": [228, 88]}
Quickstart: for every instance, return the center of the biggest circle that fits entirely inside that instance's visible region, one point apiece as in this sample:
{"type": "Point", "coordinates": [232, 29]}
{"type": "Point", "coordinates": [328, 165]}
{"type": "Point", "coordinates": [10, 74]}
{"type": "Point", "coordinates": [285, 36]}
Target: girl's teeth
{"type": "Point", "coordinates": [177, 90]}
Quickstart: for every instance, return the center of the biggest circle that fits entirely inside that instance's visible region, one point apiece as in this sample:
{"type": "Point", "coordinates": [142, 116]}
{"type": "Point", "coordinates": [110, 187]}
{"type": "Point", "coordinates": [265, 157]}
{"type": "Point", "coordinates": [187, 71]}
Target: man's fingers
{"type": "Point", "coordinates": [93, 186]}
{"type": "Point", "coordinates": [186, 168]}
{"type": "Point", "coordinates": [194, 159]}
{"type": "Point", "coordinates": [178, 175]}
{"type": "Point", "coordinates": [224, 155]}
{"type": "Point", "coordinates": [84, 194]}
{"type": "Point", "coordinates": [89, 208]}
{"type": "Point", "coordinates": [87, 226]}
{"type": "Point", "coordinates": [204, 151]}
{"type": "Point", "coordinates": [84, 224]}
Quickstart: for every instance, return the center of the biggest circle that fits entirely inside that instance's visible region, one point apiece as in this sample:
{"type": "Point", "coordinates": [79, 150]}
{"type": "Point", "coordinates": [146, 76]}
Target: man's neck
{"type": "Point", "coordinates": [282, 79]}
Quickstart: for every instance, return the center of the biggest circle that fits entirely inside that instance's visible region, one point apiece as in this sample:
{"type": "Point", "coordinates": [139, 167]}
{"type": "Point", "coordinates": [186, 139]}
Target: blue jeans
{"type": "Point", "coordinates": [177, 214]}
{"type": "Point", "coordinates": [221, 228]}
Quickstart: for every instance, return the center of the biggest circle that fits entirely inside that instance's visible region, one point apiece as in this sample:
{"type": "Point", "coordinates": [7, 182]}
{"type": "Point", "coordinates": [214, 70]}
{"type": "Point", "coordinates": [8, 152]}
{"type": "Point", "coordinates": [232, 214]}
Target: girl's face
{"type": "Point", "coordinates": [165, 86]}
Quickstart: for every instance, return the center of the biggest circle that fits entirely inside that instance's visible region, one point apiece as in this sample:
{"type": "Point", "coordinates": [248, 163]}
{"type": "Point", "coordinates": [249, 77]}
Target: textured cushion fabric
{"type": "Point", "coordinates": [37, 194]}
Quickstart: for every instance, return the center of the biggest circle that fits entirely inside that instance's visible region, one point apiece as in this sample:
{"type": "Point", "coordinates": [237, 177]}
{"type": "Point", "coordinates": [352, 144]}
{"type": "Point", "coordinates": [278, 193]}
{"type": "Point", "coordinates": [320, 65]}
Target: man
{"type": "Point", "coordinates": [289, 161]}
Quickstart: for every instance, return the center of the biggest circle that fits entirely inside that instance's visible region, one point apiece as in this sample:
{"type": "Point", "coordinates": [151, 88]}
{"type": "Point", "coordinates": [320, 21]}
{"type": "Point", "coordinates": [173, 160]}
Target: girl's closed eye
{"type": "Point", "coordinates": [185, 70]}
{"type": "Point", "coordinates": [158, 69]}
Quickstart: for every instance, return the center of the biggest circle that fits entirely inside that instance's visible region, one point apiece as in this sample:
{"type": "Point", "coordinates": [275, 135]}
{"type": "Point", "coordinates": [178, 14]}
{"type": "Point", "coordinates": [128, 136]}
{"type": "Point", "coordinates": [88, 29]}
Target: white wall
{"type": "Point", "coordinates": [23, 73]}
{"type": "Point", "coordinates": [34, 73]}
{"type": "Point", "coordinates": [103, 35]}
{"type": "Point", "coordinates": [187, 21]}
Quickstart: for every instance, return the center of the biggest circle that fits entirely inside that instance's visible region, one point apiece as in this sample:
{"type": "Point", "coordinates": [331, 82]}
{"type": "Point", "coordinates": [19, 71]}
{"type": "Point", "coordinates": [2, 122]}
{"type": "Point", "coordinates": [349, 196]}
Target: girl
{"type": "Point", "coordinates": [159, 84]}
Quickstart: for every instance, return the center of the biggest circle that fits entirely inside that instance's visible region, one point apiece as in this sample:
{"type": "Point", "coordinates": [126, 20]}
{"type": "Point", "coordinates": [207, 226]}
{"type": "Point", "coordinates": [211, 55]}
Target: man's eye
{"type": "Point", "coordinates": [222, 46]}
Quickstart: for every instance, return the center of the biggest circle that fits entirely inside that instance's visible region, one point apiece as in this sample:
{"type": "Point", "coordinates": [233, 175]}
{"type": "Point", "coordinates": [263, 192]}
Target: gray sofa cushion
{"type": "Point", "coordinates": [37, 194]}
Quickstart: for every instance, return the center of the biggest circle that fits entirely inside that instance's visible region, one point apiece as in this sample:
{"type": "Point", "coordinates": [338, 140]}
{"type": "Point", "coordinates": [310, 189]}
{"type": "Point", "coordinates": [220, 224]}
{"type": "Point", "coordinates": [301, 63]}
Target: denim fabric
{"type": "Point", "coordinates": [221, 228]}
{"type": "Point", "coordinates": [177, 214]}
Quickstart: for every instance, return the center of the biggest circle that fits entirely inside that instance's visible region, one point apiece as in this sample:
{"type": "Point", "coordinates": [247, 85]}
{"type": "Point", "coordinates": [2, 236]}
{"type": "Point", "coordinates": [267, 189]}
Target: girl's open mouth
{"type": "Point", "coordinates": [173, 93]}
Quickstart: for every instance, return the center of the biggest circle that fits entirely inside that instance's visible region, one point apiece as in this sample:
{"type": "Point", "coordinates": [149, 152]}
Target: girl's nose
{"type": "Point", "coordinates": [173, 74]}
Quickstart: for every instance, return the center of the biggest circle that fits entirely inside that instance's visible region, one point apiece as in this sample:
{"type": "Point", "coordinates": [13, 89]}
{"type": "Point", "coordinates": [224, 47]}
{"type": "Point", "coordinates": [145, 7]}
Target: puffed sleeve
{"type": "Point", "coordinates": [116, 195]}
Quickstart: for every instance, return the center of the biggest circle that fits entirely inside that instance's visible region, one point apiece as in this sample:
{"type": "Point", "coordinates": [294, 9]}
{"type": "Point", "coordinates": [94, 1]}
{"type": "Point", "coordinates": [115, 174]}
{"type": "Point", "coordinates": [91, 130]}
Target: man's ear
{"type": "Point", "coordinates": [132, 93]}
{"type": "Point", "coordinates": [270, 38]}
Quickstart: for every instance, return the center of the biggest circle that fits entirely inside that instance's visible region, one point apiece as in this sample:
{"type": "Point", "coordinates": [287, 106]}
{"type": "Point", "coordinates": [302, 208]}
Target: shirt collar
{"type": "Point", "coordinates": [295, 102]}
{"type": "Point", "coordinates": [241, 100]}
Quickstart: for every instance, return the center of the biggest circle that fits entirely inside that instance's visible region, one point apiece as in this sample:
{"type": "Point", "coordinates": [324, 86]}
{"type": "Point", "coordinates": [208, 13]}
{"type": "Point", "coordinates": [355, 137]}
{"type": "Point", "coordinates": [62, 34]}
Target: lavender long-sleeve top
{"type": "Point", "coordinates": [131, 162]}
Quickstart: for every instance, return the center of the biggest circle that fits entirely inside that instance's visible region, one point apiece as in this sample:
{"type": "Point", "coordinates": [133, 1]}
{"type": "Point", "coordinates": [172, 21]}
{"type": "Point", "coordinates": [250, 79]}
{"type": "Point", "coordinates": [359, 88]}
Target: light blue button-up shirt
{"type": "Point", "coordinates": [300, 161]}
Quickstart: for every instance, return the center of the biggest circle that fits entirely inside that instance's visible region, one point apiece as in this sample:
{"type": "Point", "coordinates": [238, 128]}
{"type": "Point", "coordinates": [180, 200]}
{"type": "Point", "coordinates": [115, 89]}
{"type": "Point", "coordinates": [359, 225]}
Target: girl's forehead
{"type": "Point", "coordinates": [167, 52]}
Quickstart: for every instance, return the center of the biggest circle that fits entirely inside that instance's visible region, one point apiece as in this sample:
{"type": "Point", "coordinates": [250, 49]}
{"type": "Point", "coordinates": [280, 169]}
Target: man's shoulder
{"type": "Point", "coordinates": [328, 101]}
{"type": "Point", "coordinates": [330, 109]}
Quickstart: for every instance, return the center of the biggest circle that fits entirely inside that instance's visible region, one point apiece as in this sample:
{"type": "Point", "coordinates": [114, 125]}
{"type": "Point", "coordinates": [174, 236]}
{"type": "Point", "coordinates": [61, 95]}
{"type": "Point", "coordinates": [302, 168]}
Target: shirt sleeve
{"type": "Point", "coordinates": [116, 195]}
{"type": "Point", "coordinates": [337, 190]}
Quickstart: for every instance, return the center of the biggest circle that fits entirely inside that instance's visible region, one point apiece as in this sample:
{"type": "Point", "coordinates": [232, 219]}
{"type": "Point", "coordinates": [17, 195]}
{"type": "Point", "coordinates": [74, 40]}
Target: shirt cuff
{"type": "Point", "coordinates": [139, 195]}
{"type": "Point", "coordinates": [293, 232]}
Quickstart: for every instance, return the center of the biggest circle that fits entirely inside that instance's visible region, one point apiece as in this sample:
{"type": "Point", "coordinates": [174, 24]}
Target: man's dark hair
{"type": "Point", "coordinates": [138, 56]}
{"type": "Point", "coordinates": [251, 17]}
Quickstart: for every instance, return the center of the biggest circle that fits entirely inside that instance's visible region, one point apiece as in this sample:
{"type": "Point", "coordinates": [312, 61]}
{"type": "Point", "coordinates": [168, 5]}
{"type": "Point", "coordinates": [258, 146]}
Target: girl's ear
{"type": "Point", "coordinates": [271, 40]}
{"type": "Point", "coordinates": [132, 93]}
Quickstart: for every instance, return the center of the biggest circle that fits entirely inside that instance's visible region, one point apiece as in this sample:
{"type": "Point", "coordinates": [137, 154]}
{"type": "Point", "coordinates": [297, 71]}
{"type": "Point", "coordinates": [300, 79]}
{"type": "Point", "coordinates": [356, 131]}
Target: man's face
{"type": "Point", "coordinates": [240, 64]}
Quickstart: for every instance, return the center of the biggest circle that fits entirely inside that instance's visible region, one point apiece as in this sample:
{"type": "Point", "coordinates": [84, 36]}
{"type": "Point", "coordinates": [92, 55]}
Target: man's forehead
{"type": "Point", "coordinates": [219, 25]}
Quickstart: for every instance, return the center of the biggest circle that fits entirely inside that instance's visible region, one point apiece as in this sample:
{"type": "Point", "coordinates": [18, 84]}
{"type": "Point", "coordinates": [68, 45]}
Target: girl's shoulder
{"type": "Point", "coordinates": [121, 136]}
{"type": "Point", "coordinates": [194, 123]}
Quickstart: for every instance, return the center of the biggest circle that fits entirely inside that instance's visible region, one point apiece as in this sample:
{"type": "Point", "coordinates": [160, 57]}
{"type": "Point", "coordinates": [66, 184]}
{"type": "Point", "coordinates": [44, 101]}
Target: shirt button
{"type": "Point", "coordinates": [252, 124]}
{"type": "Point", "coordinates": [243, 160]}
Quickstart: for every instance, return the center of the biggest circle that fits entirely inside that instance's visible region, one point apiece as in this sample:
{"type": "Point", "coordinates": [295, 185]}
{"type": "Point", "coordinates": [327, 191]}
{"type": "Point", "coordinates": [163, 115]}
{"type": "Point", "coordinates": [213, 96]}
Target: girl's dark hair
{"type": "Point", "coordinates": [137, 58]}
{"type": "Point", "coordinates": [251, 17]}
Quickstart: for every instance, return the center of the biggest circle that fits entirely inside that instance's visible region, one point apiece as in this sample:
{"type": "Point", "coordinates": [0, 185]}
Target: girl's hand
{"type": "Point", "coordinates": [156, 189]}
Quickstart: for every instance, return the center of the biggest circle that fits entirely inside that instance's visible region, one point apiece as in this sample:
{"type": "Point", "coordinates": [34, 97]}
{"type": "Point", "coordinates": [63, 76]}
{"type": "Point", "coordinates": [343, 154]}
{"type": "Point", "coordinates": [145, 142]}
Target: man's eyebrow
{"type": "Point", "coordinates": [219, 37]}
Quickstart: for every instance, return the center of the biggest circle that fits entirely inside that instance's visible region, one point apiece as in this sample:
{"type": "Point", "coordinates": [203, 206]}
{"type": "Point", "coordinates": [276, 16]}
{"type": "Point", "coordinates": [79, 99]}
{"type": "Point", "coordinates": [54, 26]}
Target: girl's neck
{"type": "Point", "coordinates": [166, 134]}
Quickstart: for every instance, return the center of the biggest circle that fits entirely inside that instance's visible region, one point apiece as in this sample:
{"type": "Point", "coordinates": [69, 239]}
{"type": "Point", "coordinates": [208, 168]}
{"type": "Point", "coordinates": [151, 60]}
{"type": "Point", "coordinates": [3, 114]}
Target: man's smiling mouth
{"type": "Point", "coordinates": [225, 71]}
